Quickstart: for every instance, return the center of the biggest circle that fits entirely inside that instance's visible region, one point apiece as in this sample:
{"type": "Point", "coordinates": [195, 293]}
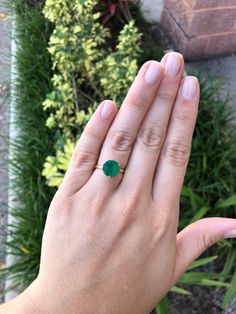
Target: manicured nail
{"type": "Point", "coordinates": [230, 234]}
{"type": "Point", "coordinates": [189, 87]}
{"type": "Point", "coordinates": [173, 63]}
{"type": "Point", "coordinates": [107, 109]}
{"type": "Point", "coordinates": [153, 73]}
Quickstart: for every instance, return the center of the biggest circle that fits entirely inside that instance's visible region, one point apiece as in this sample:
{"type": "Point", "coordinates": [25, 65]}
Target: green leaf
{"type": "Point", "coordinates": [163, 306]}
{"type": "Point", "coordinates": [204, 279]}
{"type": "Point", "coordinates": [227, 202]}
{"type": "Point", "coordinates": [180, 290]}
{"type": "Point", "coordinates": [194, 198]}
{"type": "Point", "coordinates": [202, 261]}
{"type": "Point", "coordinates": [230, 292]}
{"type": "Point", "coordinates": [200, 213]}
{"type": "Point", "coordinates": [229, 261]}
{"type": "Point", "coordinates": [213, 283]}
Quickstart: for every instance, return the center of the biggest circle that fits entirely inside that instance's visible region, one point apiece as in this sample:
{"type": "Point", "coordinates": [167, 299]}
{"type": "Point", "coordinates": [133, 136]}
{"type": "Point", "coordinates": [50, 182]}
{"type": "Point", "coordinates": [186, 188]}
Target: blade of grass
{"type": "Point", "coordinates": [200, 214]}
{"type": "Point", "coordinates": [180, 290]}
{"type": "Point", "coordinates": [227, 202]}
{"type": "Point", "coordinates": [202, 261]}
{"type": "Point", "coordinates": [230, 292]}
{"type": "Point", "coordinates": [205, 279]}
{"type": "Point", "coordinates": [163, 306]}
{"type": "Point", "coordinates": [229, 261]}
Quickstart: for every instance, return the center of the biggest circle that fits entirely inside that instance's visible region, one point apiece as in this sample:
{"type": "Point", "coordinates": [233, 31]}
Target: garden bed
{"type": "Point", "coordinates": [44, 107]}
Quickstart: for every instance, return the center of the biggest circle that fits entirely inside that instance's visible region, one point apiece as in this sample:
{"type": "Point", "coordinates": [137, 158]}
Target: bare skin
{"type": "Point", "coordinates": [110, 245]}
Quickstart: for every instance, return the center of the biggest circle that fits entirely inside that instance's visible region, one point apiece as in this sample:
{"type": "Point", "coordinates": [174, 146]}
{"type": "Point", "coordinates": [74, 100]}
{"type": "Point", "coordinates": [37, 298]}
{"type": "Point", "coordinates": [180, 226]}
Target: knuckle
{"type": "Point", "coordinates": [163, 221]}
{"type": "Point", "coordinates": [127, 217]}
{"type": "Point", "coordinates": [151, 138]}
{"type": "Point", "coordinates": [128, 211]}
{"type": "Point", "coordinates": [165, 96]}
{"type": "Point", "coordinates": [121, 140]}
{"type": "Point", "coordinates": [206, 241]}
{"type": "Point", "coordinates": [85, 159]}
{"type": "Point", "coordinates": [139, 100]}
{"type": "Point", "coordinates": [177, 153]}
{"type": "Point", "coordinates": [93, 132]}
{"type": "Point", "coordinates": [182, 115]}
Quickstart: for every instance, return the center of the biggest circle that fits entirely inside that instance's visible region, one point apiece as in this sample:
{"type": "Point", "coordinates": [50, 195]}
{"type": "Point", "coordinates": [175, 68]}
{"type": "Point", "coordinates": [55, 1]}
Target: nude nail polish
{"type": "Point", "coordinates": [189, 87]}
{"type": "Point", "coordinates": [230, 234]}
{"type": "Point", "coordinates": [153, 73]}
{"type": "Point", "coordinates": [107, 109]}
{"type": "Point", "coordinates": [173, 64]}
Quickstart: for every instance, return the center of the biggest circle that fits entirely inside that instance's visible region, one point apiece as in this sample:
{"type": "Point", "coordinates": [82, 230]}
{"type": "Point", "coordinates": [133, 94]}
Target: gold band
{"type": "Point", "coordinates": [100, 168]}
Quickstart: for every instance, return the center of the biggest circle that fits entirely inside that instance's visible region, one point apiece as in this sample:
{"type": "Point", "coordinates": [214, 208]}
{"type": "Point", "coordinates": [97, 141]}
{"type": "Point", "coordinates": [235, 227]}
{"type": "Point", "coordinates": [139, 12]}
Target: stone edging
{"type": "Point", "coordinates": [12, 135]}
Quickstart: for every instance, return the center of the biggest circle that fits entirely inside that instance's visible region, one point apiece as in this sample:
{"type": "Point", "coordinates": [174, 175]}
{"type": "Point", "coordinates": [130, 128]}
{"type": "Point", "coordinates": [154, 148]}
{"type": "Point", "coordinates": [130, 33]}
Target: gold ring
{"type": "Point", "coordinates": [110, 168]}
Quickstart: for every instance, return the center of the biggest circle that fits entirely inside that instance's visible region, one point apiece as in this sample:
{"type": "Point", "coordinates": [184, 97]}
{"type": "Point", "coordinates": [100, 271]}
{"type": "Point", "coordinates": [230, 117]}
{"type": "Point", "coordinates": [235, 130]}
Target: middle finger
{"type": "Point", "coordinates": [122, 134]}
{"type": "Point", "coordinates": [146, 150]}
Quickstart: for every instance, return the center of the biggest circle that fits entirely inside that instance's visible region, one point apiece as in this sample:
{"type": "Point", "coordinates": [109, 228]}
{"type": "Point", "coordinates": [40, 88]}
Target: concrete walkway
{"type": "Point", "coordinates": [224, 67]}
{"type": "Point", "coordinates": [5, 48]}
{"type": "Point", "coordinates": [219, 67]}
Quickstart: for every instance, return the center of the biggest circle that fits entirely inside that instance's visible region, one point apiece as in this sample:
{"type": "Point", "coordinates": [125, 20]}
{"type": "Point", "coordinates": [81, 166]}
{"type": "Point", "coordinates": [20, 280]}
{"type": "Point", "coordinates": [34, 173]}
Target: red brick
{"type": "Point", "coordinates": [212, 22]}
{"type": "Point", "coordinates": [227, 3]}
{"type": "Point", "coordinates": [202, 4]}
{"type": "Point", "coordinates": [200, 46]}
{"type": "Point", "coordinates": [173, 31]}
{"type": "Point", "coordinates": [208, 21]}
{"type": "Point", "coordinates": [181, 12]}
{"type": "Point", "coordinates": [222, 44]}
{"type": "Point", "coordinates": [190, 48]}
{"type": "Point", "coordinates": [195, 48]}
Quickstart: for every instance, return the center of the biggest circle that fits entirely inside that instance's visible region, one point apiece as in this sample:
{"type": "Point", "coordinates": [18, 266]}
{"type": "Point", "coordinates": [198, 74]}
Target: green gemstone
{"type": "Point", "coordinates": [111, 168]}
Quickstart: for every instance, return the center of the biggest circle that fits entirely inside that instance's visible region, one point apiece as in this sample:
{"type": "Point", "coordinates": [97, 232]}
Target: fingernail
{"type": "Point", "coordinates": [230, 234]}
{"type": "Point", "coordinates": [153, 73]}
{"type": "Point", "coordinates": [173, 64]}
{"type": "Point", "coordinates": [107, 109]}
{"type": "Point", "coordinates": [189, 87]}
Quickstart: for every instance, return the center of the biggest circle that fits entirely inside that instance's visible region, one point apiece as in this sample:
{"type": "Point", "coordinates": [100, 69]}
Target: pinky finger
{"type": "Point", "coordinates": [88, 148]}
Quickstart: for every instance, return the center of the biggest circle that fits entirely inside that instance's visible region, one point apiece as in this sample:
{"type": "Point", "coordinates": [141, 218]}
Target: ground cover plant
{"type": "Point", "coordinates": [90, 41]}
{"type": "Point", "coordinates": [33, 143]}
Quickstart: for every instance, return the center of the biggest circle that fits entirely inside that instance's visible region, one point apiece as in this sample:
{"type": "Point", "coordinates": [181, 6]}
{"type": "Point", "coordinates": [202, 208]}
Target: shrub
{"type": "Point", "coordinates": [31, 194]}
{"type": "Point", "coordinates": [86, 72]}
{"type": "Point", "coordinates": [88, 66]}
{"type": "Point", "coordinates": [92, 73]}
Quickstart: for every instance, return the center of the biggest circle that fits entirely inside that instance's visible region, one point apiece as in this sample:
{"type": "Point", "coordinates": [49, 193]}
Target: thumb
{"type": "Point", "coordinates": [197, 237]}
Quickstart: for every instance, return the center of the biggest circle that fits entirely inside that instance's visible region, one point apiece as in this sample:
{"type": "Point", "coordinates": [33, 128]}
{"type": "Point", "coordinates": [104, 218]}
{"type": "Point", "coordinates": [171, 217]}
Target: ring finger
{"type": "Point", "coordinates": [152, 132]}
{"type": "Point", "coordinates": [122, 134]}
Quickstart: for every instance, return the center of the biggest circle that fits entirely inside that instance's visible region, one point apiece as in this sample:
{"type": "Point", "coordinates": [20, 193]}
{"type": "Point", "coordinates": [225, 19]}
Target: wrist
{"type": "Point", "coordinates": [22, 304]}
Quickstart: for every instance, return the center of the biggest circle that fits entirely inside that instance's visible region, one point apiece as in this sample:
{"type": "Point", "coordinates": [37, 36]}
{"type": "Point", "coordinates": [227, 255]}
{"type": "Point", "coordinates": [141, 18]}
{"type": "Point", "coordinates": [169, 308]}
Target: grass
{"type": "Point", "coordinates": [209, 185]}
{"type": "Point", "coordinates": [211, 175]}
{"type": "Point", "coordinates": [33, 143]}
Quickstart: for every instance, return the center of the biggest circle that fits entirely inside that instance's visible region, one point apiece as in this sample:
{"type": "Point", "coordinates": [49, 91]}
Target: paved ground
{"type": "Point", "coordinates": [5, 45]}
{"type": "Point", "coordinates": [223, 67]}
{"type": "Point", "coordinates": [204, 299]}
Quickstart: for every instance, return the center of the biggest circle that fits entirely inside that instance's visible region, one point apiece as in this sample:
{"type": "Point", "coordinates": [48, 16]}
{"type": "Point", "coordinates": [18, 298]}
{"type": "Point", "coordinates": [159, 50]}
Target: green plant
{"type": "Point", "coordinates": [85, 73]}
{"type": "Point", "coordinates": [78, 84]}
{"type": "Point", "coordinates": [32, 145]}
{"type": "Point", "coordinates": [211, 175]}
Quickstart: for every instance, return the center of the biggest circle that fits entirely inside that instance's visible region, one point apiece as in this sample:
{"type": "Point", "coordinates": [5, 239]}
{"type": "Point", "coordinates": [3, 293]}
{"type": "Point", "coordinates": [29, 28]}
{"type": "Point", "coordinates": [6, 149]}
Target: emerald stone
{"type": "Point", "coordinates": [111, 168]}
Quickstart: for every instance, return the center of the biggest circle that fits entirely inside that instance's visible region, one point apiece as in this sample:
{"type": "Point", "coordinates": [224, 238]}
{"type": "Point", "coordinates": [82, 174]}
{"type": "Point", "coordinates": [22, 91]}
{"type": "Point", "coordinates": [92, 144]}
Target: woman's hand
{"type": "Point", "coordinates": [110, 244]}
